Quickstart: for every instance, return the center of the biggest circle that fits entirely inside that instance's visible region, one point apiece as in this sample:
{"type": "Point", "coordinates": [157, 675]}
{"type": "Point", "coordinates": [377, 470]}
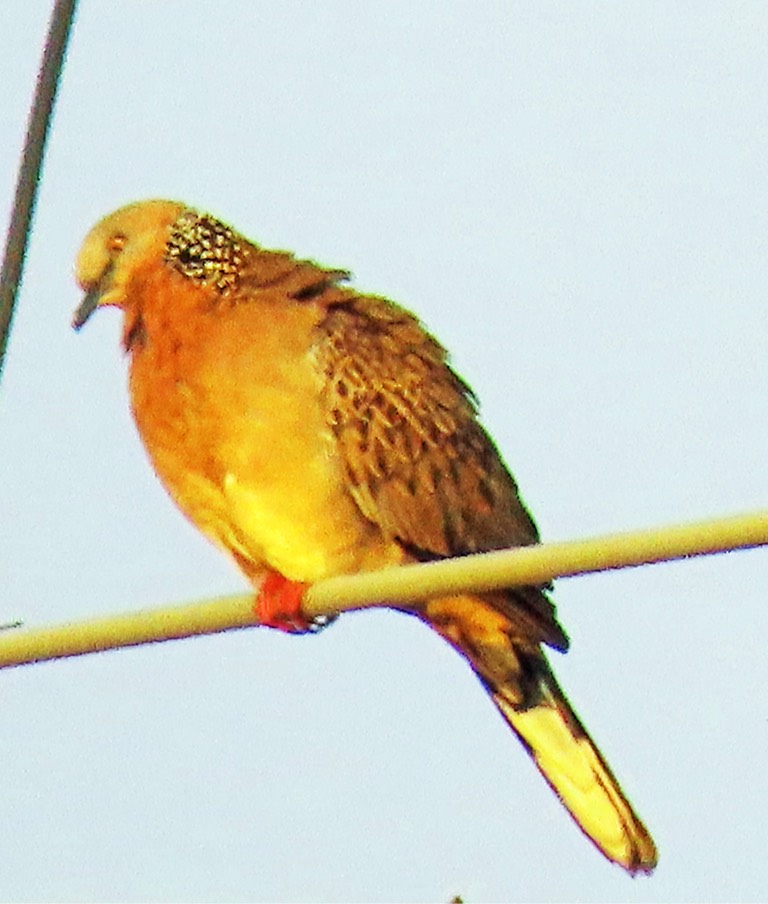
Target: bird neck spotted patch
{"type": "Point", "coordinates": [202, 248]}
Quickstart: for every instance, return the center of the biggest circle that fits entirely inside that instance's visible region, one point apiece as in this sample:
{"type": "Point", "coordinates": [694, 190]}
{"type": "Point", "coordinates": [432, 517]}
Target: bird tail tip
{"type": "Point", "coordinates": [576, 771]}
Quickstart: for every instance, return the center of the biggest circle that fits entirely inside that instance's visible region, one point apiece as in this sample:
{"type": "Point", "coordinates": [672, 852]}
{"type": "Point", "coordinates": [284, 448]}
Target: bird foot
{"type": "Point", "coordinates": [278, 605]}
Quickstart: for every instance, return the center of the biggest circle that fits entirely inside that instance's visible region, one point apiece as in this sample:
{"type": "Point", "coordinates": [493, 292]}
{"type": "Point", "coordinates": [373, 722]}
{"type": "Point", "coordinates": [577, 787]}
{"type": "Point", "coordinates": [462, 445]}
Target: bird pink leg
{"type": "Point", "coordinates": [278, 604]}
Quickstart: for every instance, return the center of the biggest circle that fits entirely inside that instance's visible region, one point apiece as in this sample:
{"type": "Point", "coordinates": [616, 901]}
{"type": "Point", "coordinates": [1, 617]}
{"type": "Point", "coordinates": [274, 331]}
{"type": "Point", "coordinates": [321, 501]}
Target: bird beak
{"type": "Point", "coordinates": [87, 306]}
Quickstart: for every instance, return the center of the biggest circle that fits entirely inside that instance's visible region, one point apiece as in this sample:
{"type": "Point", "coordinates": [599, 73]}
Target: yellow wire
{"type": "Point", "coordinates": [20, 647]}
{"type": "Point", "coordinates": [538, 564]}
{"type": "Point", "coordinates": [487, 571]}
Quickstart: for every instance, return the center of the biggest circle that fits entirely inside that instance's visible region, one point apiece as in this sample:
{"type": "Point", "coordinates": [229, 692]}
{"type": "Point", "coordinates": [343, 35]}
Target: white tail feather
{"type": "Point", "coordinates": [576, 771]}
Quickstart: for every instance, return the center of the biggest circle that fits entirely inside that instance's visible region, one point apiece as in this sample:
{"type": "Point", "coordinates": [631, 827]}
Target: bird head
{"type": "Point", "coordinates": [114, 247]}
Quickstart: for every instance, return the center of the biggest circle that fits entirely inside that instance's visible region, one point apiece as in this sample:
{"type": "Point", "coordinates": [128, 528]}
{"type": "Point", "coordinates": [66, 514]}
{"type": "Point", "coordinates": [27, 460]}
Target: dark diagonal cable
{"type": "Point", "coordinates": [31, 162]}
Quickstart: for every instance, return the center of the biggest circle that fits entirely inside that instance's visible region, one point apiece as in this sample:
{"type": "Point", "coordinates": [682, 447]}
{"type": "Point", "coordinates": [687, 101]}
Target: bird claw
{"type": "Point", "coordinates": [320, 623]}
{"type": "Point", "coordinates": [278, 605]}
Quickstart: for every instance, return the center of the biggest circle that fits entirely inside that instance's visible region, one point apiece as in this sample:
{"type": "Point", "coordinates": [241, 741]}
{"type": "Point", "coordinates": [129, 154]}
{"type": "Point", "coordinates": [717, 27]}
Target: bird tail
{"type": "Point", "coordinates": [568, 759]}
{"type": "Point", "coordinates": [521, 684]}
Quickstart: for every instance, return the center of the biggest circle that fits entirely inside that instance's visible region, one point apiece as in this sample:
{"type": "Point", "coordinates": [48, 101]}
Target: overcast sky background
{"type": "Point", "coordinates": [573, 196]}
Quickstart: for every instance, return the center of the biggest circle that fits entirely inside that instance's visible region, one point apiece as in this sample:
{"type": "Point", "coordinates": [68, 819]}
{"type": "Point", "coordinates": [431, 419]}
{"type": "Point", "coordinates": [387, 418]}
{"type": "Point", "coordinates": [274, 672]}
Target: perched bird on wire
{"type": "Point", "coordinates": [310, 431]}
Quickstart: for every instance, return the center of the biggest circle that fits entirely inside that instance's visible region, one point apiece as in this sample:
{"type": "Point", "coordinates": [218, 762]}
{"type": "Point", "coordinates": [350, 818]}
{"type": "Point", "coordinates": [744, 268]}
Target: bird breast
{"type": "Point", "coordinates": [228, 407]}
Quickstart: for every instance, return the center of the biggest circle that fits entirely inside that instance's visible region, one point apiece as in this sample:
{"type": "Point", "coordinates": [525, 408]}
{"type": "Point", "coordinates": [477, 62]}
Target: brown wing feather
{"type": "Point", "coordinates": [418, 462]}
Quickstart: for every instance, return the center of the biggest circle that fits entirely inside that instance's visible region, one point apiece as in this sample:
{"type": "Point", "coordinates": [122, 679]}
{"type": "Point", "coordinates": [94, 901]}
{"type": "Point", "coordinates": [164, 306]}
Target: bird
{"type": "Point", "coordinates": [311, 430]}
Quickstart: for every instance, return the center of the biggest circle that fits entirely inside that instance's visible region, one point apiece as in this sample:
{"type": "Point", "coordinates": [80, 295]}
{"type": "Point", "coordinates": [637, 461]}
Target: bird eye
{"type": "Point", "coordinates": [117, 242]}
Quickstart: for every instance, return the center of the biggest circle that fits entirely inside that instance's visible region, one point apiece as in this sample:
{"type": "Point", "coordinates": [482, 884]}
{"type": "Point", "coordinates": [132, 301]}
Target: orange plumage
{"type": "Point", "coordinates": [310, 431]}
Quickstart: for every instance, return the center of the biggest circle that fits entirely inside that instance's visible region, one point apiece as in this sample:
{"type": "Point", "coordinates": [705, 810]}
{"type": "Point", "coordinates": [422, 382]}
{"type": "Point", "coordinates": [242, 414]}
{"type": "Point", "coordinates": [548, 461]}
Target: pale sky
{"type": "Point", "coordinates": [574, 198]}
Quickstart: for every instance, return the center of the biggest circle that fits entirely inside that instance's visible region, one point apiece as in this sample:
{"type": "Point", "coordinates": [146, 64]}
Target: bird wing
{"type": "Point", "coordinates": [418, 462]}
